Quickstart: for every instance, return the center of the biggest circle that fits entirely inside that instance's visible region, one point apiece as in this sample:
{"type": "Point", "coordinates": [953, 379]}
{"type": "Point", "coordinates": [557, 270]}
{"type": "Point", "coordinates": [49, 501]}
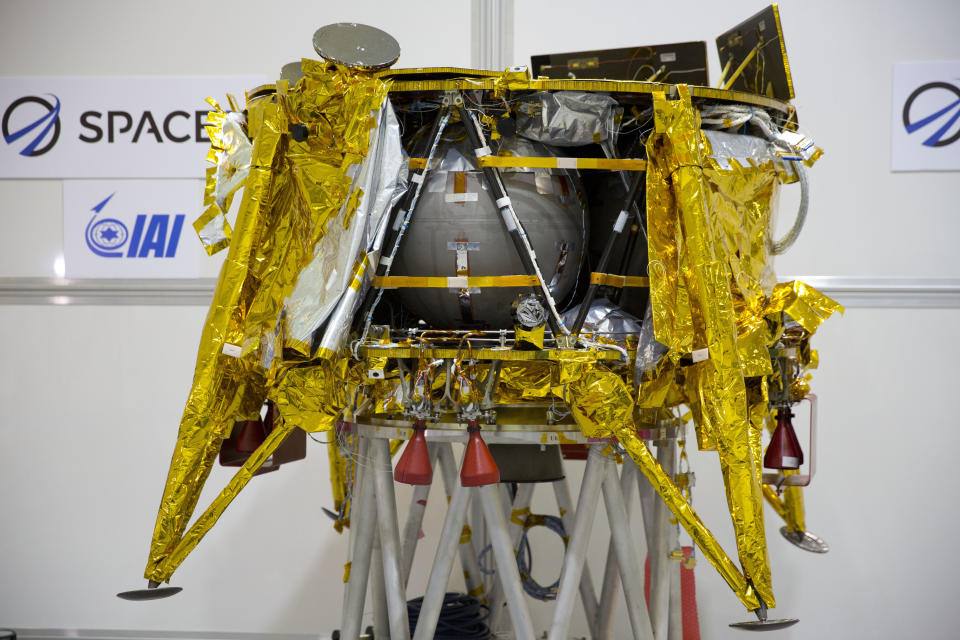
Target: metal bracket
{"type": "Point", "coordinates": [566, 341]}
{"type": "Point", "coordinates": [454, 98]}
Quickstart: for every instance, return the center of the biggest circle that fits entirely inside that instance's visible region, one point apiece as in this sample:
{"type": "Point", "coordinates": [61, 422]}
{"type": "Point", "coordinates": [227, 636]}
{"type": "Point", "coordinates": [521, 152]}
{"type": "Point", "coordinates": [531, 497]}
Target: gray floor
{"type": "Point", "coordinates": [120, 634]}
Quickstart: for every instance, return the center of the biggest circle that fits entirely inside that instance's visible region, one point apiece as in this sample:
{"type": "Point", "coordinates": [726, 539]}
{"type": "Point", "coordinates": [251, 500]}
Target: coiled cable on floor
{"type": "Point", "coordinates": [525, 557]}
{"type": "Point", "coordinates": [462, 617]}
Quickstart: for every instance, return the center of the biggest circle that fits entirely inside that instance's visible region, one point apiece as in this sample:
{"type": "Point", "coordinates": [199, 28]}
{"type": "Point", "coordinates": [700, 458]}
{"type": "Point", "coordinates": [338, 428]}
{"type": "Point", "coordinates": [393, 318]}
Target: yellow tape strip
{"type": "Point", "coordinates": [519, 516]}
{"type": "Point", "coordinates": [535, 520]}
{"type": "Point", "coordinates": [418, 163]}
{"type": "Point", "coordinates": [612, 280]}
{"type": "Point", "coordinates": [528, 162]}
{"type": "Point", "coordinates": [346, 572]}
{"type": "Point", "coordinates": [466, 534]}
{"type": "Point", "coordinates": [456, 282]}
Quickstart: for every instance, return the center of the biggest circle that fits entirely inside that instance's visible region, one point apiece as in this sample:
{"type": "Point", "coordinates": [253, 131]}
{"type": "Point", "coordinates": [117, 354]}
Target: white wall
{"type": "Point", "coordinates": [92, 395]}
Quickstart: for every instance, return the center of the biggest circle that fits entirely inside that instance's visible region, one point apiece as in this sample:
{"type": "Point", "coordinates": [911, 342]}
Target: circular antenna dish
{"type": "Point", "coordinates": [358, 46]}
{"type": "Point", "coordinates": [291, 72]}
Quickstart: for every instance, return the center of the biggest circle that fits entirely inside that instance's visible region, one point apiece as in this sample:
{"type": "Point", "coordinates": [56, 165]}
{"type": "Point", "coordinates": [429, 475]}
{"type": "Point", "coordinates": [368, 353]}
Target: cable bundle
{"type": "Point", "coordinates": [462, 617]}
{"type": "Point", "coordinates": [525, 557]}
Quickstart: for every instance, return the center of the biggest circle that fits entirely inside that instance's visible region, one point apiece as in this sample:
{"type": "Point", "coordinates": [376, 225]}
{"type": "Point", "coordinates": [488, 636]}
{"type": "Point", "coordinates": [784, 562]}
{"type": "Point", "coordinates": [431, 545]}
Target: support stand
{"type": "Point", "coordinates": [378, 551]}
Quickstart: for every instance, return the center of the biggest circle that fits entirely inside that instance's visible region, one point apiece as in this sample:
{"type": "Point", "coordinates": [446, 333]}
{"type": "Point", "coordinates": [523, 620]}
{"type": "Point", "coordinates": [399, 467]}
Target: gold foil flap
{"type": "Point", "coordinates": [290, 192]}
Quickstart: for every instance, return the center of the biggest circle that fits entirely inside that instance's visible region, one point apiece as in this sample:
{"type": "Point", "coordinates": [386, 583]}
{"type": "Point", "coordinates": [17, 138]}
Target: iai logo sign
{"type": "Point", "coordinates": [131, 228]}
{"type": "Point", "coordinates": [926, 116]}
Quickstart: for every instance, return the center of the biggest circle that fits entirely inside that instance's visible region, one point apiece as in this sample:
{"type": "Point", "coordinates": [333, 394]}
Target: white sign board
{"type": "Point", "coordinates": [925, 132]}
{"type": "Point", "coordinates": [132, 228]}
{"type": "Point", "coordinates": [109, 127]}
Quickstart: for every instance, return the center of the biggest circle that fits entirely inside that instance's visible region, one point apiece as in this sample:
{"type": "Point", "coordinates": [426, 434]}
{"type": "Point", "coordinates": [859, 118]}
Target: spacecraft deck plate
{"type": "Point", "coordinates": [439, 79]}
{"type": "Point", "coordinates": [514, 425]}
{"type": "Point", "coordinates": [476, 354]}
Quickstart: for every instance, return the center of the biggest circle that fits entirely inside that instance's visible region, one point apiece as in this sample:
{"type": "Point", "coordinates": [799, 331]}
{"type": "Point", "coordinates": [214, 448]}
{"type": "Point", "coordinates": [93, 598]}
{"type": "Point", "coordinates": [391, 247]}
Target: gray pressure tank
{"type": "Point", "coordinates": [456, 219]}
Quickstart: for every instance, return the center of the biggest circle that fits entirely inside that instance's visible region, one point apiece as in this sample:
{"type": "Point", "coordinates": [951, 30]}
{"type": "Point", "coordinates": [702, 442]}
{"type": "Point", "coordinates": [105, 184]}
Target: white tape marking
{"type": "Point", "coordinates": [621, 222]}
{"type": "Point", "coordinates": [462, 197]}
{"type": "Point", "coordinates": [232, 350]}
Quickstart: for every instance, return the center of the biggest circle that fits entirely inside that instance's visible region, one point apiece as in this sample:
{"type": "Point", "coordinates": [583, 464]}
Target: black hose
{"type": "Point", "coordinates": [462, 617]}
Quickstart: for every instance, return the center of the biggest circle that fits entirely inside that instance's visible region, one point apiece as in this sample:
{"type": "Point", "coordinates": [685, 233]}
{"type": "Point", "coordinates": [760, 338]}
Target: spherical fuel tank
{"type": "Point", "coordinates": [456, 230]}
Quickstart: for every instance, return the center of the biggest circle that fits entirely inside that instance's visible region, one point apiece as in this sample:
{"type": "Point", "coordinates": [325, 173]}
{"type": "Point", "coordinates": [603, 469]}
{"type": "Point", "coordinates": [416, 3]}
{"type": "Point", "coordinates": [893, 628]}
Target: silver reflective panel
{"type": "Point", "coordinates": [567, 118]}
{"type": "Point", "coordinates": [605, 318]}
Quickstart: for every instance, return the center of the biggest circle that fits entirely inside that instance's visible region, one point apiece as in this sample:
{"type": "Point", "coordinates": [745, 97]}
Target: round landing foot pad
{"type": "Point", "coordinates": [765, 625]}
{"type": "Point", "coordinates": [805, 540]}
{"type": "Point", "coordinates": [150, 594]}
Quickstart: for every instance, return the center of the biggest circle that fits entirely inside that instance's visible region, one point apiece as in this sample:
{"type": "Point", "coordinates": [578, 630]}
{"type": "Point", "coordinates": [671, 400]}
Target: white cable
{"type": "Point", "coordinates": [603, 345]}
{"type": "Point", "coordinates": [733, 115]}
{"type": "Point", "coordinates": [526, 243]}
{"type": "Point", "coordinates": [403, 227]}
{"type": "Point", "coordinates": [536, 269]}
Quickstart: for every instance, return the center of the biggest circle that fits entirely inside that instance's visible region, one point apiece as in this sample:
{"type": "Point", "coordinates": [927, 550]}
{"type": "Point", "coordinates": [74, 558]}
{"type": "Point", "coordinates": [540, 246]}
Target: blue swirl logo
{"type": "Point", "coordinates": [939, 137]}
{"type": "Point", "coordinates": [46, 127]}
{"type": "Point", "coordinates": [107, 235]}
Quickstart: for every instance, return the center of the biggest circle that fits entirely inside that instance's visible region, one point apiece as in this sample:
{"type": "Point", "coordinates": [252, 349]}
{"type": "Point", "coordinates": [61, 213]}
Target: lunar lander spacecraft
{"type": "Point", "coordinates": [570, 263]}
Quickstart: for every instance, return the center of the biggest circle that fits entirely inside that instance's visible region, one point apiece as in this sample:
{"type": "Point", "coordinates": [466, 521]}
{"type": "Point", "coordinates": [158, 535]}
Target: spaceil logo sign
{"type": "Point", "coordinates": [131, 228]}
{"type": "Point", "coordinates": [43, 131]}
{"type": "Point", "coordinates": [944, 118]}
{"type": "Point", "coordinates": [926, 127]}
{"type": "Point", "coordinates": [109, 127]}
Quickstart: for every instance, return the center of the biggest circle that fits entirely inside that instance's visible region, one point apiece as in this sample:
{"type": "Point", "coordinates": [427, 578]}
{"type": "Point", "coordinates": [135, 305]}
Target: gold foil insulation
{"type": "Point", "coordinates": [701, 274]}
{"type": "Point", "coordinates": [789, 506]}
{"type": "Point", "coordinates": [715, 307]}
{"type": "Point", "coordinates": [291, 193]}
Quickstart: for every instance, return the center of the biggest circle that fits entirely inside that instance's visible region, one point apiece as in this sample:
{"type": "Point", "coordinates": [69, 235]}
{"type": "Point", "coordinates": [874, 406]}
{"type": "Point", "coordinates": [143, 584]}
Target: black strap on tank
{"type": "Point", "coordinates": [618, 226]}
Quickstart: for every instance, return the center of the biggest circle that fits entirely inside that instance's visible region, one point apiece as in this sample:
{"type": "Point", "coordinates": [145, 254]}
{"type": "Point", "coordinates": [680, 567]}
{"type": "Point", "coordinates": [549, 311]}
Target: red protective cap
{"type": "Point", "coordinates": [478, 468]}
{"type": "Point", "coordinates": [784, 450]}
{"type": "Point", "coordinates": [575, 451]}
{"type": "Point", "coordinates": [414, 465]}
